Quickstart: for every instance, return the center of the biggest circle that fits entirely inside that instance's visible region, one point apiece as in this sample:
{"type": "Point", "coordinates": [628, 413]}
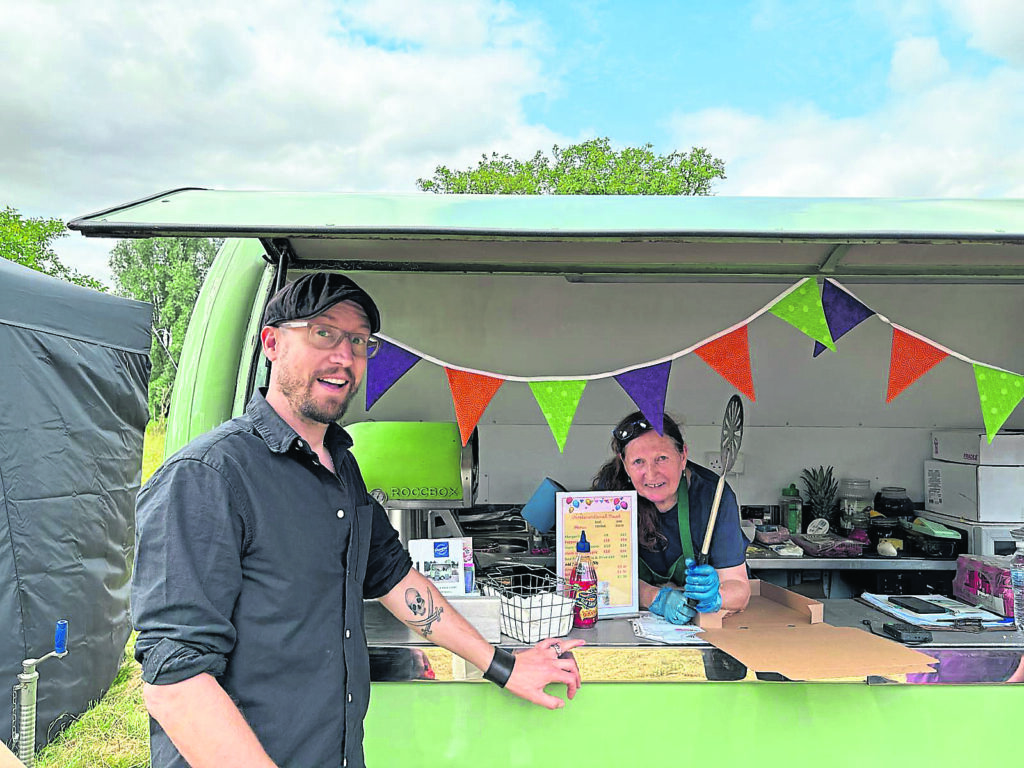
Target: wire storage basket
{"type": "Point", "coordinates": [535, 603]}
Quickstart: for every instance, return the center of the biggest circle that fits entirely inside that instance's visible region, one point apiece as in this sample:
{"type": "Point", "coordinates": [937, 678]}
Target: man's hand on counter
{"type": "Point", "coordinates": [549, 661]}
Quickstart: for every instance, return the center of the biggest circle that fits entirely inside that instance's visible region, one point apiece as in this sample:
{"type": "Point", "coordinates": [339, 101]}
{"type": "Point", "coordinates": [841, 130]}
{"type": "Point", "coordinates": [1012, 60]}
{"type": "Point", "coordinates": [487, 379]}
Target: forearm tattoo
{"type": "Point", "coordinates": [423, 609]}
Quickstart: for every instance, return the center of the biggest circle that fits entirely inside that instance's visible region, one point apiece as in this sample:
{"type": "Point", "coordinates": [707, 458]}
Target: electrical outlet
{"type": "Point", "coordinates": [713, 461]}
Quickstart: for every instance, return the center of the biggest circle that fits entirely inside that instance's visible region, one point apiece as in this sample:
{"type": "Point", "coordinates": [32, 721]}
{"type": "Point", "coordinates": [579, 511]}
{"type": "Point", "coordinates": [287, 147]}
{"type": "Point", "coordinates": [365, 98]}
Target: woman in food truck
{"type": "Point", "coordinates": [674, 500]}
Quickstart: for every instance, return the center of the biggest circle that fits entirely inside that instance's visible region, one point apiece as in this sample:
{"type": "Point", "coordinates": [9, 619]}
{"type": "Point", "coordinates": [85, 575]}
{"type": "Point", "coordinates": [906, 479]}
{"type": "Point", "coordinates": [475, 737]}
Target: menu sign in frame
{"type": "Point", "coordinates": [609, 518]}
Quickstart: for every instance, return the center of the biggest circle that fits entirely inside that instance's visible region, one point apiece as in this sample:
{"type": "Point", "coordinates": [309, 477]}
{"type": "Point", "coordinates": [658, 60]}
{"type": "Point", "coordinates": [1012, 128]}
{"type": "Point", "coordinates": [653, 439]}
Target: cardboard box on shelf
{"type": "Point", "coordinates": [783, 632]}
{"type": "Point", "coordinates": [988, 494]}
{"type": "Point", "coordinates": [971, 446]}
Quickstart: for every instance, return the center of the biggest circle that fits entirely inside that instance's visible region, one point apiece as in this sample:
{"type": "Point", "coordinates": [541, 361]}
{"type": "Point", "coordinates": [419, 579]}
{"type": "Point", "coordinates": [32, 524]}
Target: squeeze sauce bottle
{"type": "Point", "coordinates": [584, 581]}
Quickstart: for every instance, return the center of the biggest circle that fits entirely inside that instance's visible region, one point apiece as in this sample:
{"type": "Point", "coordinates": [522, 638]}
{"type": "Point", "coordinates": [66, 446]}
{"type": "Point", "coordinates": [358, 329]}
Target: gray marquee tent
{"type": "Point", "coordinates": [74, 368]}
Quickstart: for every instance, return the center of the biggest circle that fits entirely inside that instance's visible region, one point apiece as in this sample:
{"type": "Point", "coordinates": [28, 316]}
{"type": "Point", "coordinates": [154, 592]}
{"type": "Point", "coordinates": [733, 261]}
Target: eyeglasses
{"type": "Point", "coordinates": [631, 430]}
{"type": "Point", "coordinates": [328, 337]}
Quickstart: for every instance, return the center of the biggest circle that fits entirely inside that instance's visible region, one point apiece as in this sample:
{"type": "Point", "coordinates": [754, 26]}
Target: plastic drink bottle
{"type": "Point", "coordinates": [1017, 578]}
{"type": "Point", "coordinates": [792, 509]}
{"type": "Point", "coordinates": [584, 581]}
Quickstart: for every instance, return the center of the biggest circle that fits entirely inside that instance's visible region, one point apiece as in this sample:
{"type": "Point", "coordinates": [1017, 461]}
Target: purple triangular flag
{"type": "Point", "coordinates": [647, 387]}
{"type": "Point", "coordinates": [385, 368]}
{"type": "Point", "coordinates": [843, 313]}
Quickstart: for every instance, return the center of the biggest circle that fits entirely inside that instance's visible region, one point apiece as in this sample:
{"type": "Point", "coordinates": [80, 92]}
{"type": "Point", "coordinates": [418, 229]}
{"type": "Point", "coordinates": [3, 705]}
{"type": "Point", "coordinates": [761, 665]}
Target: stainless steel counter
{"type": "Point", "coordinates": [614, 654]}
{"type": "Point", "coordinates": [850, 564]}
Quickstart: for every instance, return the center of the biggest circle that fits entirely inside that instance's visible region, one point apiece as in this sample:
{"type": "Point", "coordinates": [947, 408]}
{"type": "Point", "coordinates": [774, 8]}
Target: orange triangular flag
{"type": "Point", "coordinates": [911, 359]}
{"type": "Point", "coordinates": [729, 355]}
{"type": "Point", "coordinates": [471, 394]}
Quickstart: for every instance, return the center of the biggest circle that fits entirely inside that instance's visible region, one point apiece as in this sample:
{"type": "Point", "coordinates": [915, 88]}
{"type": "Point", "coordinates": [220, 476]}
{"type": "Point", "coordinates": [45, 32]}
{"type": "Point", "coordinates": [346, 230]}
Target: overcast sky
{"type": "Point", "coordinates": [107, 101]}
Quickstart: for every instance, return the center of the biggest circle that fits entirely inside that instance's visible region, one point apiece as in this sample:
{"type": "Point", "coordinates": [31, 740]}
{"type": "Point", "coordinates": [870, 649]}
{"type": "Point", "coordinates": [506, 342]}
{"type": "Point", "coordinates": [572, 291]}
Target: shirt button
{"type": "Point", "coordinates": [350, 698]}
{"type": "Point", "coordinates": [348, 633]}
{"type": "Point", "coordinates": [341, 513]}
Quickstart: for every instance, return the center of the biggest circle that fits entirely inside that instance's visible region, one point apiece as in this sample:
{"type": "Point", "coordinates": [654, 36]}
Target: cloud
{"type": "Point", "coordinates": [995, 27]}
{"type": "Point", "coordinates": [108, 101]}
{"type": "Point", "coordinates": [917, 62]}
{"type": "Point", "coordinates": [937, 134]}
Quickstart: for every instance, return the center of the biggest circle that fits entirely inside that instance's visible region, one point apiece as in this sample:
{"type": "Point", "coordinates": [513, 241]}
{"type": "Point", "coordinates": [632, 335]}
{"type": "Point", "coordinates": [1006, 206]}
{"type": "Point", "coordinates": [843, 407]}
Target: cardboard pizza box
{"type": "Point", "coordinates": [783, 632]}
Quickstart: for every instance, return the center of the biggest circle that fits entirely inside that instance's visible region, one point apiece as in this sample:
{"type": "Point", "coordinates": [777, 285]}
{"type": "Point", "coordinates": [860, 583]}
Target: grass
{"type": "Point", "coordinates": [114, 733]}
{"type": "Point", "coordinates": [153, 448]}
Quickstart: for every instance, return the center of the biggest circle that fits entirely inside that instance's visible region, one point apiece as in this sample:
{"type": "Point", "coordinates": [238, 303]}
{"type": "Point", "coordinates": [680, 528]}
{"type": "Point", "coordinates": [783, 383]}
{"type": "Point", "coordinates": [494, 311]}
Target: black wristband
{"type": "Point", "coordinates": [500, 669]}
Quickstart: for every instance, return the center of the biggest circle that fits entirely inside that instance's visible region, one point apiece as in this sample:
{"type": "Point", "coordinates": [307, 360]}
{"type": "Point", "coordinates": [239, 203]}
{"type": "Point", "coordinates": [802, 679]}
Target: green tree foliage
{"type": "Point", "coordinates": [29, 242]}
{"type": "Point", "coordinates": [589, 168]}
{"type": "Point", "coordinates": [168, 273]}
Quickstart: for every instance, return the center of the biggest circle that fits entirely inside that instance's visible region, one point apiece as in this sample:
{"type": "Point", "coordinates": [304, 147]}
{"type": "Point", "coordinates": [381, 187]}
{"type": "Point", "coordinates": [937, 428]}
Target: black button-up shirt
{"type": "Point", "coordinates": [252, 563]}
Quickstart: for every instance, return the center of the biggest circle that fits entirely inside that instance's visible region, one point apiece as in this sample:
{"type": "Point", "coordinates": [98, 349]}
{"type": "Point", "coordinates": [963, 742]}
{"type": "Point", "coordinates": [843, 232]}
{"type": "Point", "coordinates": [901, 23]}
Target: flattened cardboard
{"type": "Point", "coordinates": [783, 632]}
{"type": "Point", "coordinates": [818, 651]}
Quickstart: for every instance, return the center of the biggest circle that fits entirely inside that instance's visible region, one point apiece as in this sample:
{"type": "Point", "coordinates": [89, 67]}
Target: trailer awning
{"type": "Point", "coordinates": [600, 237]}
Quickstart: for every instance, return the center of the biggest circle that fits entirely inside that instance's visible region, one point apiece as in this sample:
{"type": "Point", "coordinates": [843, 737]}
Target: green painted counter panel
{"type": "Point", "coordinates": [708, 724]}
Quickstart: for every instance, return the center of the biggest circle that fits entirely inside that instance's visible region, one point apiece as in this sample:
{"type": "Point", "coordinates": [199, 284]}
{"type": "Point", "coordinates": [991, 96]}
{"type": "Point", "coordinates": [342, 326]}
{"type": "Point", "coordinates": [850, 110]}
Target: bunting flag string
{"type": "Point", "coordinates": [825, 316]}
{"type": "Point", "coordinates": [471, 394]}
{"type": "Point", "coordinates": [999, 392]}
{"type": "Point", "coordinates": [843, 313]}
{"type": "Point", "coordinates": [558, 401]}
{"type": "Point", "coordinates": [802, 309]}
{"type": "Point", "coordinates": [385, 368]}
{"type": "Point", "coordinates": [648, 387]}
{"type": "Point", "coordinates": [911, 359]}
{"type": "Point", "coordinates": [729, 355]}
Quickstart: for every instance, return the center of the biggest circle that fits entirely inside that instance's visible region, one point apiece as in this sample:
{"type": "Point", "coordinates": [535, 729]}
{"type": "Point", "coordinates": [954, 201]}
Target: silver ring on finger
{"type": "Point", "coordinates": [557, 649]}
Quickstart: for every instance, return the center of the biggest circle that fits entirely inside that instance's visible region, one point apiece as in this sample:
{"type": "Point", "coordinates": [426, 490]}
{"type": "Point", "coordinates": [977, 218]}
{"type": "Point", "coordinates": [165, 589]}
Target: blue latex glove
{"type": "Point", "coordinates": [671, 604]}
{"type": "Point", "coordinates": [702, 585]}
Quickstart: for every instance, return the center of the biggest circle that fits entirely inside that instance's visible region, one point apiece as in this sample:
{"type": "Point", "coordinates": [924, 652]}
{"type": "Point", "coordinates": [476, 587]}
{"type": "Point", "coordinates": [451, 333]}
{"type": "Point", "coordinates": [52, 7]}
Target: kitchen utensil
{"type": "Point", "coordinates": [732, 436]}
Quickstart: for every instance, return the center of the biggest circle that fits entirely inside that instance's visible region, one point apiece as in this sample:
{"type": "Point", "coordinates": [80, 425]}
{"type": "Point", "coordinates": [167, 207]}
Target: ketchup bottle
{"type": "Point", "coordinates": [584, 581]}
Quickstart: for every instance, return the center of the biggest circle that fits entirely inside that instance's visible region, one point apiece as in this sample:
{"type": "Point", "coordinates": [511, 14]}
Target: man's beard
{"type": "Point", "coordinates": [301, 401]}
{"type": "Point", "coordinates": [322, 414]}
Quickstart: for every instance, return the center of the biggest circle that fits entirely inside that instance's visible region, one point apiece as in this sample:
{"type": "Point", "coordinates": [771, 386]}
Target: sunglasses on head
{"type": "Point", "coordinates": [631, 430]}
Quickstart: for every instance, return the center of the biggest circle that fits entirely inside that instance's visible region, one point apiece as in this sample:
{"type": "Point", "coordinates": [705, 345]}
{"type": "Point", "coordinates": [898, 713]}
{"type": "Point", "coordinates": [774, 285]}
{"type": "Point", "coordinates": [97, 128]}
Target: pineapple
{"type": "Point", "coordinates": [822, 494]}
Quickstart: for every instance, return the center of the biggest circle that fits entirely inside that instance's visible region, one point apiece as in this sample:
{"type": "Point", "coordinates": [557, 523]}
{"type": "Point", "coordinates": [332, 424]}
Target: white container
{"type": "Point", "coordinates": [980, 538]}
{"type": "Point", "coordinates": [971, 446]}
{"type": "Point", "coordinates": [974, 492]}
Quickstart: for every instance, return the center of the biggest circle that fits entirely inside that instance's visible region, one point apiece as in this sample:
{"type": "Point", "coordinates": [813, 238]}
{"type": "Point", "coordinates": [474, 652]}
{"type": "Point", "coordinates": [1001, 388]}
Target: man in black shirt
{"type": "Point", "coordinates": [256, 545]}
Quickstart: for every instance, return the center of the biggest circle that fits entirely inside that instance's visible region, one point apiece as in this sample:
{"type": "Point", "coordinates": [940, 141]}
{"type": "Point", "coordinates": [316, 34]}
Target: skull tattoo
{"type": "Point", "coordinates": [414, 600]}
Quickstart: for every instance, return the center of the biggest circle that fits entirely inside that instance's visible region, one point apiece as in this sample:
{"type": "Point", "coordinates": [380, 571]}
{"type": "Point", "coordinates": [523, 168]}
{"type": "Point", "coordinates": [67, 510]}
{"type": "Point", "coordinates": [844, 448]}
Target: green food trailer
{"type": "Point", "coordinates": [528, 289]}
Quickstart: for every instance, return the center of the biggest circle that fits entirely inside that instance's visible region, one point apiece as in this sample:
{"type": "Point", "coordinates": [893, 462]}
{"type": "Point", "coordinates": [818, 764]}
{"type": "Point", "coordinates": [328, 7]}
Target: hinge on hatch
{"type": "Point", "coordinates": [278, 251]}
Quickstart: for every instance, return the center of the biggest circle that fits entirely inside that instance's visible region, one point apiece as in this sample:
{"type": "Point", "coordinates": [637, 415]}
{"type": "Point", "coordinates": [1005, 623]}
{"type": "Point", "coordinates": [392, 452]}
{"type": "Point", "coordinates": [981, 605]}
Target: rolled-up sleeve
{"type": "Point", "coordinates": [187, 577]}
{"type": "Point", "coordinates": [388, 562]}
{"type": "Point", "coordinates": [728, 545]}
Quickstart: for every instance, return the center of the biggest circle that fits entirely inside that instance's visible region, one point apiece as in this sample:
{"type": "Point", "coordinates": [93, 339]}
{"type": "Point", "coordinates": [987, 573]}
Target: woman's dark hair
{"type": "Point", "coordinates": [612, 475]}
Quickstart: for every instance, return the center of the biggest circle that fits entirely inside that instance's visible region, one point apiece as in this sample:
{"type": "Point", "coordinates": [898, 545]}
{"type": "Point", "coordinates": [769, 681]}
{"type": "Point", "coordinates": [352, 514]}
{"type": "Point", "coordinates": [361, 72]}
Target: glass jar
{"type": "Point", "coordinates": [854, 503]}
{"type": "Point", "coordinates": [885, 528]}
{"type": "Point", "coordinates": [892, 501]}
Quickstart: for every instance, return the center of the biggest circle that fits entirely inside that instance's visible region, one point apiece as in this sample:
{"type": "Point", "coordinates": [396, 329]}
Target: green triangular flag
{"type": "Point", "coordinates": [558, 401]}
{"type": "Point", "coordinates": [802, 309]}
{"type": "Point", "coordinates": [999, 392]}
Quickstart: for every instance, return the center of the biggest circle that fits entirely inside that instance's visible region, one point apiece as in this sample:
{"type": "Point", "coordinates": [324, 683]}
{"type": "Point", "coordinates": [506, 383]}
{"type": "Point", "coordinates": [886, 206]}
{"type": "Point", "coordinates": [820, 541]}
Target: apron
{"type": "Point", "coordinates": [677, 573]}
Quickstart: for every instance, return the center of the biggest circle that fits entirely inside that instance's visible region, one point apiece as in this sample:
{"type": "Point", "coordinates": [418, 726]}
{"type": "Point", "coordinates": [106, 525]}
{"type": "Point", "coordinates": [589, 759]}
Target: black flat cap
{"type": "Point", "coordinates": [315, 293]}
